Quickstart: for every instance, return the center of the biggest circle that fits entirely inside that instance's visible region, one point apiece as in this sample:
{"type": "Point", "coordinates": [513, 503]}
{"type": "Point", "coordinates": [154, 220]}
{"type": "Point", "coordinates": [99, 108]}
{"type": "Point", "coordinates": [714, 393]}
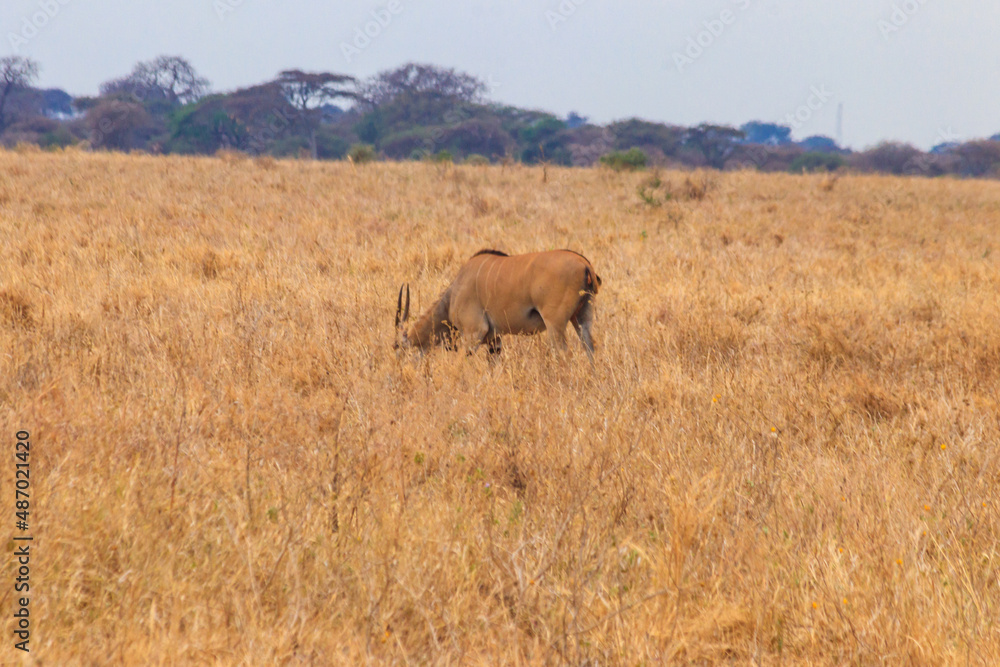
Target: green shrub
{"type": "Point", "coordinates": [653, 191]}
{"type": "Point", "coordinates": [362, 153]}
{"type": "Point", "coordinates": [57, 138]}
{"type": "Point", "coordinates": [629, 160]}
{"type": "Point", "coordinates": [331, 147]}
{"type": "Point", "coordinates": [477, 160]}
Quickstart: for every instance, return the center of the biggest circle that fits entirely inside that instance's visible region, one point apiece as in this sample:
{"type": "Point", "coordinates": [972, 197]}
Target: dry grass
{"type": "Point", "coordinates": [787, 451]}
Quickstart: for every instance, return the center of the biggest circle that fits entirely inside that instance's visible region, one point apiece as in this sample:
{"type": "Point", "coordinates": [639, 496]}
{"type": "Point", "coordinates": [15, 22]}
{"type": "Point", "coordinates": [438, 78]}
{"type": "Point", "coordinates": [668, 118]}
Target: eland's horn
{"type": "Point", "coordinates": [406, 313]}
{"type": "Point", "coordinates": [399, 306]}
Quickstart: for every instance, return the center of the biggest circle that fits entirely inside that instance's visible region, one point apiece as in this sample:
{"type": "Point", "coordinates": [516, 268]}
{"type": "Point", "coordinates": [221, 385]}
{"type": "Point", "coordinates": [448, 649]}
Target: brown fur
{"type": "Point", "coordinates": [496, 294]}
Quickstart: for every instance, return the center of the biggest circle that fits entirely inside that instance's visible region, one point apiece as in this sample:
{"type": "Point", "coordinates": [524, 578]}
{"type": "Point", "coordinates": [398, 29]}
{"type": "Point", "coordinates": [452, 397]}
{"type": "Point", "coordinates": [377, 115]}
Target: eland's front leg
{"type": "Point", "coordinates": [493, 343]}
{"type": "Point", "coordinates": [474, 332]}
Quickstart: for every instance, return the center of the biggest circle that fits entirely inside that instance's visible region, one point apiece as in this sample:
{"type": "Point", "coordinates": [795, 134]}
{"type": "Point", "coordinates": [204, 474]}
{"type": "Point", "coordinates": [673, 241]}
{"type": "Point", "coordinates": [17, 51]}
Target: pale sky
{"type": "Point", "coordinates": [921, 71]}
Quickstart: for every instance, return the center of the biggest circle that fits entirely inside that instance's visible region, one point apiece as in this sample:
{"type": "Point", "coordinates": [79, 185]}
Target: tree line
{"type": "Point", "coordinates": [414, 112]}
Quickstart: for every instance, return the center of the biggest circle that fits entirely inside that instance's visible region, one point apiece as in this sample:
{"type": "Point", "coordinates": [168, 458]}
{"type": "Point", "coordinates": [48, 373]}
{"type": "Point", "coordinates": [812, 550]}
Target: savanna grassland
{"type": "Point", "coordinates": [786, 451]}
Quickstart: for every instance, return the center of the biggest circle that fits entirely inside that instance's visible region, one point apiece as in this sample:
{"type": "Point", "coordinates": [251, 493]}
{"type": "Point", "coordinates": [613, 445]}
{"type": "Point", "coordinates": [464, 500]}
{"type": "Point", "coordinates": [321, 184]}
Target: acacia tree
{"type": "Point", "coordinates": [15, 73]}
{"type": "Point", "coordinates": [414, 79]}
{"type": "Point", "coordinates": [416, 98]}
{"type": "Point", "coordinates": [309, 91]}
{"type": "Point", "coordinates": [650, 137]}
{"type": "Point", "coordinates": [716, 142]}
{"type": "Point", "coordinates": [263, 113]}
{"type": "Point", "coordinates": [891, 157]}
{"type": "Point", "coordinates": [978, 158]}
{"type": "Point", "coordinates": [118, 125]}
{"type": "Point", "coordinates": [169, 78]}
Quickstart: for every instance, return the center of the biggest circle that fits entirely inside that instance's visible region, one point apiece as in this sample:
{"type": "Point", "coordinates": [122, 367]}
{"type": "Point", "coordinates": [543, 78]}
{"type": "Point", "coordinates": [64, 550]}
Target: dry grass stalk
{"type": "Point", "coordinates": [786, 452]}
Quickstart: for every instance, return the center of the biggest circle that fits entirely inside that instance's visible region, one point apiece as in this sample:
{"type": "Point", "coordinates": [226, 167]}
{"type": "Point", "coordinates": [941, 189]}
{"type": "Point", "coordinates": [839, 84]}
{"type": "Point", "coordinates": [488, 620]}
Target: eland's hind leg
{"type": "Point", "coordinates": [556, 317]}
{"type": "Point", "coordinates": [557, 334]}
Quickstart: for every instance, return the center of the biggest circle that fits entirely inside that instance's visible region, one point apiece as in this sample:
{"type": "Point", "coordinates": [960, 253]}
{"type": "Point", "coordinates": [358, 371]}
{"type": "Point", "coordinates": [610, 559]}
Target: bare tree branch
{"type": "Point", "coordinates": [15, 72]}
{"type": "Point", "coordinates": [170, 78]}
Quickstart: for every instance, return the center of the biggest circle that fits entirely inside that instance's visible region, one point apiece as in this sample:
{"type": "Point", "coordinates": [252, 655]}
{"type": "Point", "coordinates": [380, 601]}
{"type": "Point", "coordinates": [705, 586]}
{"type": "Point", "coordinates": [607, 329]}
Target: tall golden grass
{"type": "Point", "coordinates": [787, 450]}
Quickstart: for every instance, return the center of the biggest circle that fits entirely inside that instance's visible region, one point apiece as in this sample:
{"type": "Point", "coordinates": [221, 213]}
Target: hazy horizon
{"type": "Point", "coordinates": [906, 70]}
